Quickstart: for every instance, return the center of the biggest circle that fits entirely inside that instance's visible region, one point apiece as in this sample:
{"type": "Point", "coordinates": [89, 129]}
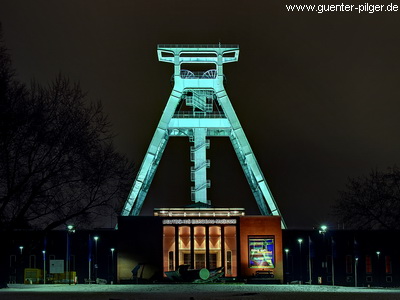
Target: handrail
{"type": "Point", "coordinates": [197, 46]}
{"type": "Point", "coordinates": [205, 115]}
{"type": "Point", "coordinates": [208, 74]}
{"type": "Point", "coordinates": [205, 163]}
{"type": "Point", "coordinates": [204, 185]}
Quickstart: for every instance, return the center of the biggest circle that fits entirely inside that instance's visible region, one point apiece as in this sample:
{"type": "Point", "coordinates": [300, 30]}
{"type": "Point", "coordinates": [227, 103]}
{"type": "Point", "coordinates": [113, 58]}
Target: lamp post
{"type": "Point", "coordinates": [90, 258]}
{"type": "Point", "coordinates": [70, 229]}
{"type": "Point", "coordinates": [332, 259]}
{"type": "Point", "coordinates": [21, 248]}
{"type": "Point", "coordinates": [44, 266]}
{"type": "Point", "coordinates": [355, 271]}
{"type": "Point", "coordinates": [322, 230]}
{"type": "Point", "coordinates": [287, 256]}
{"type": "Point", "coordinates": [309, 261]}
{"type": "Point", "coordinates": [287, 264]}
{"type": "Point", "coordinates": [112, 265]}
{"type": "Point", "coordinates": [96, 238]}
{"type": "Point", "coordinates": [301, 276]}
{"type": "Point", "coordinates": [378, 253]}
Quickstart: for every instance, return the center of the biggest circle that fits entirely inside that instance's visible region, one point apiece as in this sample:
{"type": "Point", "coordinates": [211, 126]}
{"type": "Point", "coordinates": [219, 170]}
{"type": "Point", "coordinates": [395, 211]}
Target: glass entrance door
{"type": "Point", "coordinates": [200, 260]}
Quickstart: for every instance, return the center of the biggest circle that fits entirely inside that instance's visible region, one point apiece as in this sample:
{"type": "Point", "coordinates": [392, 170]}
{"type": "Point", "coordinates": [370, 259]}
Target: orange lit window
{"type": "Point", "coordinates": [388, 265]}
{"type": "Point", "coordinates": [368, 264]}
{"type": "Point", "coordinates": [169, 248]}
{"type": "Point", "coordinates": [230, 251]}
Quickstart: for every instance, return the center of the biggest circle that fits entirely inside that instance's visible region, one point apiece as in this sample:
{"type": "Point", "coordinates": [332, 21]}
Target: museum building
{"type": "Point", "coordinates": [245, 246]}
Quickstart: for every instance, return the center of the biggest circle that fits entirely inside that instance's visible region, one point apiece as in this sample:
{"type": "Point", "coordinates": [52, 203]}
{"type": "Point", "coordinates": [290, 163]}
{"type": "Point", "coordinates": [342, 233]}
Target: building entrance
{"type": "Point", "coordinates": [207, 246]}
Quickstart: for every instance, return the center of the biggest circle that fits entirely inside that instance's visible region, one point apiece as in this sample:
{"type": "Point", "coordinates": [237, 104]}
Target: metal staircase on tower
{"type": "Point", "coordinates": [199, 107]}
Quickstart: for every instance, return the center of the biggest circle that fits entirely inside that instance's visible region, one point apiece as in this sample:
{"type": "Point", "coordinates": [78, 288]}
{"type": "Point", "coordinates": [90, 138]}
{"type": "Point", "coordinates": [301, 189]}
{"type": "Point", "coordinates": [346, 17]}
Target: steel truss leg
{"type": "Point", "coordinates": [136, 197]}
{"type": "Point", "coordinates": [248, 161]}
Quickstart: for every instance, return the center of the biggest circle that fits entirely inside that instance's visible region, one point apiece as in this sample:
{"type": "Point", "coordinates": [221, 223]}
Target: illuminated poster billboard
{"type": "Point", "coordinates": [261, 252]}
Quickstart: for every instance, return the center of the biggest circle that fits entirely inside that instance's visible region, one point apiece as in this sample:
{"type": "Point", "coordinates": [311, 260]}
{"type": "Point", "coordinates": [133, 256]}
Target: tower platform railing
{"type": "Point", "coordinates": [198, 46]}
{"type": "Point", "coordinates": [199, 114]}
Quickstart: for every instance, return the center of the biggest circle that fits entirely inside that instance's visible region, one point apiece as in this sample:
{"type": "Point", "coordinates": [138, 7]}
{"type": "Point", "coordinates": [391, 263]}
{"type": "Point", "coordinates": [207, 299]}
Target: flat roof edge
{"type": "Point", "coordinates": [198, 46]}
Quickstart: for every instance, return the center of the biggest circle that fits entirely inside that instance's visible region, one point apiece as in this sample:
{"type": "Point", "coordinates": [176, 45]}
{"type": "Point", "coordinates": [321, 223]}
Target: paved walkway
{"type": "Point", "coordinates": [193, 292]}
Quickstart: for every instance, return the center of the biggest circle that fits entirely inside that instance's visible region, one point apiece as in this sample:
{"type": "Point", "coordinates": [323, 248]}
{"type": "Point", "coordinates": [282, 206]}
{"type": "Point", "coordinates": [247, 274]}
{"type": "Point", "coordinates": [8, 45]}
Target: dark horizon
{"type": "Point", "coordinates": [317, 94]}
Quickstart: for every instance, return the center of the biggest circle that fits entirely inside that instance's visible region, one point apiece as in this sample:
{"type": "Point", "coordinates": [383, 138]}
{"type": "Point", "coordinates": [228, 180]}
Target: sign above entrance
{"type": "Point", "coordinates": [199, 221]}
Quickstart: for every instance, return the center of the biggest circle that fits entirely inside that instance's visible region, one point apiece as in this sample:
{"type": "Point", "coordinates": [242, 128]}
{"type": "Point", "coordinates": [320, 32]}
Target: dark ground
{"type": "Point", "coordinates": [194, 292]}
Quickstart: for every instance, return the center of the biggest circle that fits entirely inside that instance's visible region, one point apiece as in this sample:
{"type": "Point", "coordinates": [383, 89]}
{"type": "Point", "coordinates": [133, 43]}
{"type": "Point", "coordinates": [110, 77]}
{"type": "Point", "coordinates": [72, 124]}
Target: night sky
{"type": "Point", "coordinates": [318, 95]}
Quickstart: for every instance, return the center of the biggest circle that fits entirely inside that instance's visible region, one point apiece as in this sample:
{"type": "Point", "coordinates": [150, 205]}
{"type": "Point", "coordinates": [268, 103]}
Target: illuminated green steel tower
{"type": "Point", "coordinates": [197, 108]}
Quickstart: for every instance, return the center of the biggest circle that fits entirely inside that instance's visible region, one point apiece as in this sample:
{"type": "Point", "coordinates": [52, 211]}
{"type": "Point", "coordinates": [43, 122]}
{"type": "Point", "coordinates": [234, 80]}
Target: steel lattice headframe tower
{"type": "Point", "coordinates": [199, 107]}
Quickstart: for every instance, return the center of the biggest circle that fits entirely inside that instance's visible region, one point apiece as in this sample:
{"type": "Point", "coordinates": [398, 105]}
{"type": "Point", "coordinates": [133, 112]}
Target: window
{"type": "Point", "coordinates": [368, 264]}
{"type": "Point", "coordinates": [230, 251]}
{"type": "Point", "coordinates": [184, 246]}
{"type": "Point", "coordinates": [228, 262]}
{"type": "Point", "coordinates": [261, 252]}
{"type": "Point", "coordinates": [171, 261]}
{"type": "Point", "coordinates": [213, 260]}
{"type": "Point", "coordinates": [169, 248]}
{"type": "Point", "coordinates": [186, 258]}
{"type": "Point", "coordinates": [388, 264]}
{"type": "Point", "coordinates": [200, 260]}
{"type": "Point", "coordinates": [369, 279]}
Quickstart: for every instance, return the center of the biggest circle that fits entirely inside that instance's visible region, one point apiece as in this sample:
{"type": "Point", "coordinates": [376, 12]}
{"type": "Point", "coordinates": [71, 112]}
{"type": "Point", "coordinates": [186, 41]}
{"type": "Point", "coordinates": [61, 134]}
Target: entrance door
{"type": "Point", "coordinates": [200, 260]}
{"type": "Point", "coordinates": [213, 260]}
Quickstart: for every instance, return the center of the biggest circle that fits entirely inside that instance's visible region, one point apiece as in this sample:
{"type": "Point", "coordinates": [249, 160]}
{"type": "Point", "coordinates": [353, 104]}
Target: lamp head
{"type": "Point", "coordinates": [71, 228]}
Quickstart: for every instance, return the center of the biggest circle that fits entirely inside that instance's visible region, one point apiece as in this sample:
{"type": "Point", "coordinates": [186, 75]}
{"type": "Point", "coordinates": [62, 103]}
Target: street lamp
{"type": "Point", "coordinates": [96, 238]}
{"type": "Point", "coordinates": [332, 259]}
{"type": "Point", "coordinates": [44, 266]}
{"type": "Point", "coordinates": [287, 254]}
{"type": "Point", "coordinates": [355, 271]}
{"type": "Point", "coordinates": [323, 229]}
{"type": "Point", "coordinates": [378, 253]}
{"type": "Point", "coordinates": [112, 265]}
{"type": "Point", "coordinates": [21, 263]}
{"type": "Point", "coordinates": [301, 276]}
{"type": "Point", "coordinates": [70, 229]}
{"type": "Point", "coordinates": [287, 264]}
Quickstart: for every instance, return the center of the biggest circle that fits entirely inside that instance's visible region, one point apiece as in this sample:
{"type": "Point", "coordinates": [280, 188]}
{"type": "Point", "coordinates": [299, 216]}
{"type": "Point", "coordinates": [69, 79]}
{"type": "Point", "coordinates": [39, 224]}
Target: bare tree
{"type": "Point", "coordinates": [57, 160]}
{"type": "Point", "coordinates": [371, 202]}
